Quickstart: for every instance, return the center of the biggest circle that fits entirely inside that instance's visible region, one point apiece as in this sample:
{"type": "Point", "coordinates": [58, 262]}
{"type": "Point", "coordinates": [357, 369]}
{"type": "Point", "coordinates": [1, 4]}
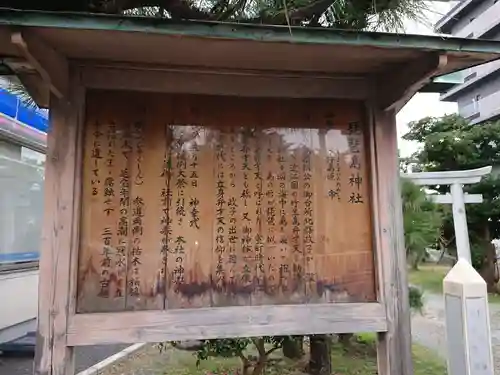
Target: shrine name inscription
{"type": "Point", "coordinates": [199, 201]}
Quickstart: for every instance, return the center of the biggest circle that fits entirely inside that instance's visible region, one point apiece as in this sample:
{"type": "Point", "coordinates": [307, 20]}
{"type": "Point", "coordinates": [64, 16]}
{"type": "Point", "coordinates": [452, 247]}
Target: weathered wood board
{"type": "Point", "coordinates": [198, 201]}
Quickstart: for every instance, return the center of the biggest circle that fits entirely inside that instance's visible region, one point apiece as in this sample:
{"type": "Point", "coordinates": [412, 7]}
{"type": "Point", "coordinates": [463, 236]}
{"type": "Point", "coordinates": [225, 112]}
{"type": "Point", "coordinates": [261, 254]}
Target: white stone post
{"type": "Point", "coordinates": [460, 222]}
{"type": "Point", "coordinates": [468, 333]}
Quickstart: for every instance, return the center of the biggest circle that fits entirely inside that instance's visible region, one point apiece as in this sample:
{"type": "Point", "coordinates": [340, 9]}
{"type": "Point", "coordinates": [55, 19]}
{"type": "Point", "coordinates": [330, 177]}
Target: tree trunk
{"type": "Point", "coordinates": [414, 263]}
{"type": "Point", "coordinates": [442, 248]}
{"type": "Point", "coordinates": [345, 339]}
{"type": "Point", "coordinates": [293, 347]}
{"type": "Point", "coordinates": [489, 267]}
{"type": "Point", "coordinates": [259, 367]}
{"type": "Point", "coordinates": [246, 368]}
{"type": "Point", "coordinates": [320, 362]}
{"type": "Point", "coordinates": [260, 364]}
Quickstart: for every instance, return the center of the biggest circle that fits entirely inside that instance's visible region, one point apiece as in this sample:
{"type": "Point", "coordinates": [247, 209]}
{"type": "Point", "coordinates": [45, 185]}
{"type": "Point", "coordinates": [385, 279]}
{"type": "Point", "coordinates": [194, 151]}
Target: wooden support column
{"type": "Point", "coordinates": [394, 346]}
{"type": "Point", "coordinates": [57, 283]}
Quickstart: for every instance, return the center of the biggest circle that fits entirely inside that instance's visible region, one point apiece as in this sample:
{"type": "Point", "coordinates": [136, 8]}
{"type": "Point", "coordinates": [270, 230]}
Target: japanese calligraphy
{"type": "Point", "coordinates": [354, 140]}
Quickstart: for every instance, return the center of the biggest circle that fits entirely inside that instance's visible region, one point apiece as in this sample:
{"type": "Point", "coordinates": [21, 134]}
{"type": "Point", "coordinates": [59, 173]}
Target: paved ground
{"type": "Point", "coordinates": [429, 330]}
{"type": "Point", "coordinates": [85, 357]}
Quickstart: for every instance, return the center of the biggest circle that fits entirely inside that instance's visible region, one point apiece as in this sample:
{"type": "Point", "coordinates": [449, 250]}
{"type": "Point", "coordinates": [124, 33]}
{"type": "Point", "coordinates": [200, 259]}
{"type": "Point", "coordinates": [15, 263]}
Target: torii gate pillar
{"type": "Point", "coordinates": [457, 199]}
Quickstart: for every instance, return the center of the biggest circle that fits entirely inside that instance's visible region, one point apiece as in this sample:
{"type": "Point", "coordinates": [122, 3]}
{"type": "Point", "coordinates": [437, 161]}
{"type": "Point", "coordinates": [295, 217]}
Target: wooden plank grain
{"type": "Point", "coordinates": [341, 265]}
{"type": "Point", "coordinates": [189, 81]}
{"type": "Point", "coordinates": [225, 322]}
{"type": "Point", "coordinates": [53, 356]}
{"type": "Point", "coordinates": [394, 346]}
{"type": "Point", "coordinates": [102, 253]}
{"type": "Point", "coordinates": [146, 268]}
{"type": "Point", "coordinates": [243, 214]}
{"type": "Point", "coordinates": [192, 208]}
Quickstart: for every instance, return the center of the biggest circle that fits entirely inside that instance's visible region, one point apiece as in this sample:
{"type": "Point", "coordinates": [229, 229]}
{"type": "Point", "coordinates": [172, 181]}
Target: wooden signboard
{"type": "Point", "coordinates": [204, 201]}
{"type": "Point", "coordinates": [208, 180]}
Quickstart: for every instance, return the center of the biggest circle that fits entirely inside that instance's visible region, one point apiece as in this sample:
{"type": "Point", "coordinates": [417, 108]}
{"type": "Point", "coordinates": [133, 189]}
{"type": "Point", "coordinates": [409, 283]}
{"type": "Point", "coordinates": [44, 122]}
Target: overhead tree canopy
{"type": "Point", "coordinates": [343, 14]}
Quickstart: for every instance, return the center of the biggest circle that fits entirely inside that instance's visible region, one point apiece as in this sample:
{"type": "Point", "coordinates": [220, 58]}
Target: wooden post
{"type": "Point", "coordinates": [394, 346]}
{"type": "Point", "coordinates": [60, 236]}
{"type": "Point", "coordinates": [467, 322]}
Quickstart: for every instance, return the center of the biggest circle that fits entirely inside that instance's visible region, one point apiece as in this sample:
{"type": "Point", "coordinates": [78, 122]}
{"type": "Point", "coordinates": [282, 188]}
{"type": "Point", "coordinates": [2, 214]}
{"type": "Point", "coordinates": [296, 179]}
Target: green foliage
{"type": "Point", "coordinates": [429, 277]}
{"type": "Point", "coordinates": [451, 143]}
{"type": "Point", "coordinates": [387, 15]}
{"type": "Point", "coordinates": [237, 347]}
{"type": "Point", "coordinates": [225, 348]}
{"type": "Point", "coordinates": [415, 297]}
{"type": "Point", "coordinates": [422, 221]}
{"type": "Point", "coordinates": [344, 14]}
{"type": "Point", "coordinates": [477, 255]}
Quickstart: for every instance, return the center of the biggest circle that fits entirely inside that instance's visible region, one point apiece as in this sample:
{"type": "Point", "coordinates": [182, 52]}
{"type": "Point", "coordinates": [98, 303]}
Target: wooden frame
{"type": "Point", "coordinates": [394, 346]}
{"type": "Point", "coordinates": [224, 322]}
{"type": "Point", "coordinates": [60, 328]}
{"type": "Point", "coordinates": [60, 233]}
{"type": "Point", "coordinates": [191, 80]}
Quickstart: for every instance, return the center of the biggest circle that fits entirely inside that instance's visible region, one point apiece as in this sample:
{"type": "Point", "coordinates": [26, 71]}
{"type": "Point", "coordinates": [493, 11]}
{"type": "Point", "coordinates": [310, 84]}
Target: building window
{"type": "Point", "coordinates": [475, 103]}
{"type": "Point", "coordinates": [21, 205]}
{"type": "Point", "coordinates": [471, 73]}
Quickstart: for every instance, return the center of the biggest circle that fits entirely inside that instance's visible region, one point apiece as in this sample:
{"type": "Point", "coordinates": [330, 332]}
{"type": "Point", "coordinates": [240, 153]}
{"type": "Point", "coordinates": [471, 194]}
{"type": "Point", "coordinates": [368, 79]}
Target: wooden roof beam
{"type": "Point", "coordinates": [30, 79]}
{"type": "Point", "coordinates": [50, 66]}
{"type": "Point", "coordinates": [397, 85]}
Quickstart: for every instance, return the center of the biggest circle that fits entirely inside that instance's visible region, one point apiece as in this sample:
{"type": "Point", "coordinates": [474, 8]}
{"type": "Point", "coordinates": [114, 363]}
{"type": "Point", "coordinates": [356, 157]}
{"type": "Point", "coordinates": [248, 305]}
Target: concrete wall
{"type": "Point", "coordinates": [478, 19]}
{"type": "Point", "coordinates": [485, 17]}
{"type": "Point", "coordinates": [488, 104]}
{"type": "Point", "coordinates": [490, 86]}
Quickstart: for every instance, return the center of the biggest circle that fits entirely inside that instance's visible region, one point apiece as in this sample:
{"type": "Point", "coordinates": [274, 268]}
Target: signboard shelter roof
{"type": "Point", "coordinates": [228, 48]}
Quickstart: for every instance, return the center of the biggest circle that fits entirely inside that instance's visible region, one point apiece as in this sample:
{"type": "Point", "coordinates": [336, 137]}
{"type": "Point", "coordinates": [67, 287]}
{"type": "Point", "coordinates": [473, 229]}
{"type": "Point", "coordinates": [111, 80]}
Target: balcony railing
{"type": "Point", "coordinates": [480, 70]}
{"type": "Point", "coordinates": [469, 110]}
{"type": "Point", "coordinates": [483, 109]}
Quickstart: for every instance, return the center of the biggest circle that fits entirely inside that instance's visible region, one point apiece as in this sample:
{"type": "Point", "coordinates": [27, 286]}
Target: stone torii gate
{"type": "Point", "coordinates": [457, 198]}
{"type": "Point", "coordinates": [468, 333]}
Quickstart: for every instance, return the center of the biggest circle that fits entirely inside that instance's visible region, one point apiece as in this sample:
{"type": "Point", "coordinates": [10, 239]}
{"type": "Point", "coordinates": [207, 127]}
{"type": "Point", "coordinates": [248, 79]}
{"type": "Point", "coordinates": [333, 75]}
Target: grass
{"type": "Point", "coordinates": [430, 278]}
{"type": "Point", "coordinates": [360, 359]}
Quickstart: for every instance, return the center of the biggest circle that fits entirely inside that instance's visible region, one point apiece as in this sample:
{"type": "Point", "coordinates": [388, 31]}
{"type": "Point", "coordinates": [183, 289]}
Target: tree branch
{"type": "Point", "coordinates": [243, 358]}
{"type": "Point", "coordinates": [274, 348]}
{"type": "Point", "coordinates": [260, 345]}
{"type": "Point", "coordinates": [345, 14]}
{"type": "Point", "coordinates": [313, 10]}
{"type": "Point", "coordinates": [178, 9]}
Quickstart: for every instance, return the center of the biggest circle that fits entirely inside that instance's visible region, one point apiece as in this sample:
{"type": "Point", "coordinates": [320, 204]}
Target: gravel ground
{"type": "Point", "coordinates": [85, 357]}
{"type": "Point", "coordinates": [429, 329]}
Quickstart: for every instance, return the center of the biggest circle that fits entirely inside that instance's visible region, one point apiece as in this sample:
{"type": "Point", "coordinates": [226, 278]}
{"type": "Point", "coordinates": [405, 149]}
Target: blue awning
{"type": "Point", "coordinates": [13, 107]}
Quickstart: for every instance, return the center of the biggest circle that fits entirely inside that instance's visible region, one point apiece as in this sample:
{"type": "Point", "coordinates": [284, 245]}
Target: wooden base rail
{"type": "Point", "coordinates": [224, 322]}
